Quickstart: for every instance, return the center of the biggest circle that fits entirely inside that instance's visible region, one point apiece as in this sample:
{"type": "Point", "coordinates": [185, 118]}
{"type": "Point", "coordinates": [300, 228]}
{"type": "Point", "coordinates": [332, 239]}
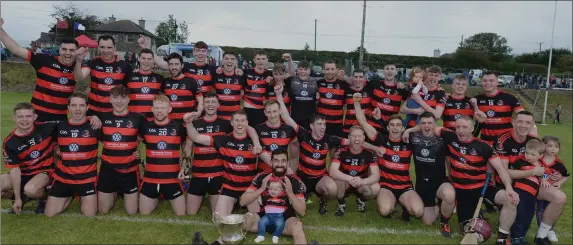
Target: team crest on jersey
{"type": "Point", "coordinates": [316, 155]}
{"type": "Point", "coordinates": [353, 173]}
{"type": "Point", "coordinates": [183, 86]}
{"type": "Point", "coordinates": [161, 145]}
{"type": "Point", "coordinates": [250, 147]}
{"type": "Point", "coordinates": [200, 82]}
{"type": "Point", "coordinates": [467, 106]}
{"type": "Point", "coordinates": [108, 80]}
{"type": "Point", "coordinates": [118, 69]}
{"type": "Point", "coordinates": [473, 152]}
{"type": "Point", "coordinates": [129, 124]}
{"type": "Point", "coordinates": [73, 147]}
{"type": "Point", "coordinates": [273, 146]}
{"type": "Point", "coordinates": [490, 113]}
{"type": "Point", "coordinates": [387, 101]}
{"type": "Point", "coordinates": [173, 132]}
{"type": "Point", "coordinates": [304, 93]}
{"type": "Point", "coordinates": [86, 133]}
{"type": "Point", "coordinates": [227, 91]}
{"type": "Point", "coordinates": [329, 95]}
{"type": "Point", "coordinates": [145, 89]}
{"type": "Point", "coordinates": [239, 159]}
{"type": "Point", "coordinates": [254, 87]}
{"type": "Point", "coordinates": [500, 102]}
{"type": "Point", "coordinates": [63, 80]}
{"type": "Point", "coordinates": [283, 134]}
{"type": "Point", "coordinates": [336, 86]}
{"type": "Point", "coordinates": [425, 152]}
{"type": "Point", "coordinates": [34, 154]}
{"type": "Point", "coordinates": [457, 116]}
{"type": "Point", "coordinates": [395, 158]}
{"type": "Point", "coordinates": [173, 97]}
{"type": "Point", "coordinates": [116, 137]}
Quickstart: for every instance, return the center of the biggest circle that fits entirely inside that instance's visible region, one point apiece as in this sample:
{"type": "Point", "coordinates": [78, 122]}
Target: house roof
{"type": "Point", "coordinates": [123, 26]}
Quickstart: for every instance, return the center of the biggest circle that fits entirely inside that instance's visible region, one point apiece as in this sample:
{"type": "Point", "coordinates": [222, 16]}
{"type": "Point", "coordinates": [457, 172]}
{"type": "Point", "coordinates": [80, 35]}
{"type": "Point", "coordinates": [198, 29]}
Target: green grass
{"type": "Point", "coordinates": [163, 227]}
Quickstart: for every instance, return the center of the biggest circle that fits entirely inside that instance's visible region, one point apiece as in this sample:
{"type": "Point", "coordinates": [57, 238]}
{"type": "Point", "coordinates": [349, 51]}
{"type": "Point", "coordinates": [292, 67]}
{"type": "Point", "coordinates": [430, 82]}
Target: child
{"type": "Point", "coordinates": [274, 209]}
{"type": "Point", "coordinates": [416, 85]}
{"type": "Point", "coordinates": [551, 161]}
{"type": "Point", "coordinates": [525, 172]}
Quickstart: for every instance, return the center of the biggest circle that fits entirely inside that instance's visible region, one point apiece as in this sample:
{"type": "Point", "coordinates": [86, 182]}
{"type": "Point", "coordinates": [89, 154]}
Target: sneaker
{"type": "Point", "coordinates": [313, 242]}
{"type": "Point", "coordinates": [552, 236]}
{"type": "Point", "coordinates": [340, 210]}
{"type": "Point", "coordinates": [275, 239]}
{"type": "Point", "coordinates": [259, 239]}
{"type": "Point", "coordinates": [361, 205]}
{"type": "Point", "coordinates": [323, 208]}
{"type": "Point", "coordinates": [503, 242]}
{"type": "Point", "coordinates": [542, 241]}
{"type": "Point", "coordinates": [41, 207]}
{"type": "Point", "coordinates": [445, 229]}
{"type": "Point", "coordinates": [405, 215]}
{"type": "Point", "coordinates": [198, 239]}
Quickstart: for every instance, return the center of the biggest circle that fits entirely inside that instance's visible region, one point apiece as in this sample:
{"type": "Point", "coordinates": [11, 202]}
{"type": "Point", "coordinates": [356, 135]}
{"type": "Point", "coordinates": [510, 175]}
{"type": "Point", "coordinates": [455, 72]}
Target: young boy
{"type": "Point", "coordinates": [553, 165]}
{"type": "Point", "coordinates": [274, 211]}
{"type": "Point", "coordinates": [526, 173]}
{"type": "Point", "coordinates": [416, 85]}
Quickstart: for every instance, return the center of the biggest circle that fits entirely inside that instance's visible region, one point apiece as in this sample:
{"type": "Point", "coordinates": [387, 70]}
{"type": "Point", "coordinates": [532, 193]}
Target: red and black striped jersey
{"type": "Point", "coordinates": [312, 161]}
{"type": "Point", "coordinates": [530, 184]}
{"type": "Point", "coordinates": [274, 138]}
{"type": "Point", "coordinates": [32, 153]}
{"type": "Point", "coordinates": [78, 144]}
{"type": "Point", "coordinates": [182, 93]}
{"type": "Point", "coordinates": [229, 89]}
{"type": "Point", "coordinates": [162, 151]}
{"type": "Point", "coordinates": [395, 164]}
{"type": "Point", "coordinates": [499, 109]}
{"type": "Point", "coordinates": [142, 90]}
{"type": "Point", "coordinates": [508, 148]}
{"type": "Point", "coordinates": [203, 74]}
{"type": "Point", "coordinates": [282, 200]}
{"type": "Point", "coordinates": [434, 98]}
{"type": "Point", "coordinates": [120, 140]}
{"type": "Point", "coordinates": [556, 166]}
{"type": "Point", "coordinates": [455, 108]}
{"type": "Point", "coordinates": [206, 162]}
{"type": "Point", "coordinates": [354, 164]}
{"type": "Point", "coordinates": [105, 76]}
{"type": "Point", "coordinates": [365, 104]}
{"type": "Point", "coordinates": [238, 160]}
{"type": "Point", "coordinates": [256, 87]}
{"type": "Point", "coordinates": [468, 160]}
{"type": "Point", "coordinates": [272, 96]}
{"type": "Point", "coordinates": [388, 98]}
{"type": "Point", "coordinates": [331, 101]}
{"type": "Point", "coordinates": [54, 85]}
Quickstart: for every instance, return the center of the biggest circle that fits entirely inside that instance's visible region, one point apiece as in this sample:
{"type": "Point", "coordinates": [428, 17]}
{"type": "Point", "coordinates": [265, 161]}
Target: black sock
{"type": "Point", "coordinates": [501, 235]}
{"type": "Point", "coordinates": [341, 201]}
{"type": "Point", "coordinates": [216, 243]}
{"type": "Point", "coordinates": [360, 197]}
{"type": "Point", "coordinates": [444, 219]}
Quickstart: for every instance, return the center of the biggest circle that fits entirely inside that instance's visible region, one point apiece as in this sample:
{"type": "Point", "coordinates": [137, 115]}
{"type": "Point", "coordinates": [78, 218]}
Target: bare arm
{"type": "Point", "coordinates": [368, 129]}
{"type": "Point", "coordinates": [16, 179]}
{"type": "Point", "coordinates": [437, 112]}
{"type": "Point", "coordinates": [12, 45]}
{"type": "Point", "coordinates": [252, 133]}
{"type": "Point", "coordinates": [160, 62]}
{"type": "Point", "coordinates": [334, 172]}
{"type": "Point", "coordinates": [284, 112]}
{"type": "Point", "coordinates": [199, 104]}
{"type": "Point", "coordinates": [519, 174]}
{"type": "Point", "coordinates": [502, 172]}
{"type": "Point", "coordinates": [250, 196]}
{"type": "Point", "coordinates": [374, 176]}
{"type": "Point", "coordinates": [196, 136]}
{"type": "Point", "coordinates": [80, 73]}
{"type": "Point", "coordinates": [298, 204]}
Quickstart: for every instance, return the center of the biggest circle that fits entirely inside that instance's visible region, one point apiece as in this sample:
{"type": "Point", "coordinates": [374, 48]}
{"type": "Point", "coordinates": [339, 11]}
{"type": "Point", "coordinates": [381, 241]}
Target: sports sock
{"type": "Point", "coordinates": [502, 234]}
{"type": "Point", "coordinates": [341, 201]}
{"type": "Point", "coordinates": [216, 243]}
{"type": "Point", "coordinates": [444, 219]}
{"type": "Point", "coordinates": [543, 230]}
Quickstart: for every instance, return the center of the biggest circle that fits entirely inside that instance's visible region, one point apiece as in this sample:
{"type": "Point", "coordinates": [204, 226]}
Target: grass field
{"type": "Point", "coordinates": [163, 227]}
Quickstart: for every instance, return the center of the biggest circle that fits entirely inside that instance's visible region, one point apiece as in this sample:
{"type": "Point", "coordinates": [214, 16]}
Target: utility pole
{"type": "Point", "coordinates": [315, 20]}
{"type": "Point", "coordinates": [540, 47]}
{"type": "Point", "coordinates": [361, 57]}
{"type": "Point", "coordinates": [462, 42]}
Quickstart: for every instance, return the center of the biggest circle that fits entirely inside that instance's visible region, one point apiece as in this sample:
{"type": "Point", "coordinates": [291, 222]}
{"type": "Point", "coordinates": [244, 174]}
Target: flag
{"type": "Point", "coordinates": [61, 24]}
{"type": "Point", "coordinates": [79, 27]}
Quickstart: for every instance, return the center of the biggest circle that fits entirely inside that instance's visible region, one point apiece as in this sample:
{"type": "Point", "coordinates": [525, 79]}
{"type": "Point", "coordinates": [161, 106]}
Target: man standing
{"type": "Point", "coordinates": [458, 104]}
{"type": "Point", "coordinates": [355, 171]}
{"type": "Point", "coordinates": [331, 99]}
{"type": "Point", "coordinates": [119, 170]}
{"type": "Point", "coordinates": [163, 138]}
{"type": "Point", "coordinates": [302, 90]}
{"type": "Point", "coordinates": [229, 87]}
{"type": "Point", "coordinates": [29, 154]}
{"type": "Point", "coordinates": [55, 81]}
{"type": "Point", "coordinates": [76, 170]}
{"type": "Point", "coordinates": [387, 95]}
{"type": "Point", "coordinates": [256, 89]}
{"type": "Point", "coordinates": [105, 73]}
{"type": "Point", "coordinates": [434, 101]}
{"type": "Point", "coordinates": [557, 114]}
{"type": "Point", "coordinates": [469, 159]}
{"type": "Point", "coordinates": [143, 85]}
{"type": "Point", "coordinates": [183, 92]}
{"type": "Point", "coordinates": [498, 106]}
{"type": "Point", "coordinates": [357, 86]}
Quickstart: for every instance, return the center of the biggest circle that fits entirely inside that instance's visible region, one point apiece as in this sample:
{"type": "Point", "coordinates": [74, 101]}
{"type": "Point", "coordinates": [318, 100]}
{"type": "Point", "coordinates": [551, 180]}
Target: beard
{"type": "Point", "coordinates": [279, 173]}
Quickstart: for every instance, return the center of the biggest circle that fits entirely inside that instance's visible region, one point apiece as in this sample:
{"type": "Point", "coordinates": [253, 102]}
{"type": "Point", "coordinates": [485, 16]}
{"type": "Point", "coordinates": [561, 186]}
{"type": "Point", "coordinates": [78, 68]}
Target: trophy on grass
{"type": "Point", "coordinates": [230, 227]}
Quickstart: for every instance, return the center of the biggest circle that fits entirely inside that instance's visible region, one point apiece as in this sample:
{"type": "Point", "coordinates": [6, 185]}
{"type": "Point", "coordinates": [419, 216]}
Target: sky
{"type": "Point", "coordinates": [400, 28]}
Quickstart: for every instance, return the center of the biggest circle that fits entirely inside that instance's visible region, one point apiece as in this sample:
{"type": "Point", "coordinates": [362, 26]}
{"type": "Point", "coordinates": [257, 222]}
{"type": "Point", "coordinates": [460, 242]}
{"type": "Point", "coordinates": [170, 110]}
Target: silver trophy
{"type": "Point", "coordinates": [230, 227]}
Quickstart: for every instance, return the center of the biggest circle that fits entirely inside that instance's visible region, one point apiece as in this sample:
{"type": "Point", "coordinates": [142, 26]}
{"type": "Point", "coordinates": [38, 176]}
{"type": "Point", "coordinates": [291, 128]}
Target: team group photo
{"type": "Point", "coordinates": [224, 150]}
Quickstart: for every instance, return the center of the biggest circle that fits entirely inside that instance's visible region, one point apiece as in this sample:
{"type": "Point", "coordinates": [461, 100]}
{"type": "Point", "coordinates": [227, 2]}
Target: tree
{"type": "Point", "coordinates": [542, 57]}
{"type": "Point", "coordinates": [491, 44]}
{"type": "Point", "coordinates": [171, 32]}
{"type": "Point", "coordinates": [565, 63]}
{"type": "Point", "coordinates": [71, 13]}
{"type": "Point", "coordinates": [470, 58]}
{"type": "Point", "coordinates": [306, 47]}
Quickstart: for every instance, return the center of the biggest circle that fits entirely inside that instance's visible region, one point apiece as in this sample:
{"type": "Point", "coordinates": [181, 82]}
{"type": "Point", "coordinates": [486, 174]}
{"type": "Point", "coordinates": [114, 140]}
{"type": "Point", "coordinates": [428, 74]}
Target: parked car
{"type": "Point", "coordinates": [505, 80]}
{"type": "Point", "coordinates": [449, 79]}
{"type": "Point", "coordinates": [316, 71]}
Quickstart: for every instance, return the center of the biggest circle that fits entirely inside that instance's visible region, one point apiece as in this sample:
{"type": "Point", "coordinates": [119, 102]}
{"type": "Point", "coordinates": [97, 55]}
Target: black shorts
{"type": "Point", "coordinates": [309, 182]}
{"type": "Point", "coordinates": [201, 186]}
{"type": "Point", "coordinates": [289, 213]}
{"type": "Point", "coordinates": [48, 117]}
{"type": "Point", "coordinates": [466, 201]}
{"type": "Point", "coordinates": [334, 129]}
{"type": "Point", "coordinates": [110, 180]}
{"type": "Point", "coordinates": [397, 192]}
{"type": "Point", "coordinates": [166, 191]}
{"type": "Point", "coordinates": [231, 193]}
{"type": "Point", "coordinates": [427, 188]}
{"type": "Point", "coordinates": [255, 116]}
{"type": "Point", "coordinates": [60, 189]}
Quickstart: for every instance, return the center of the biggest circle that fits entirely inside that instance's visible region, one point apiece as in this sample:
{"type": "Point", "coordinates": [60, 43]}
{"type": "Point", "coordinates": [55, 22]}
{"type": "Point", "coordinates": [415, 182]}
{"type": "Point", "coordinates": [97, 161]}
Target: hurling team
{"type": "Point", "coordinates": [258, 139]}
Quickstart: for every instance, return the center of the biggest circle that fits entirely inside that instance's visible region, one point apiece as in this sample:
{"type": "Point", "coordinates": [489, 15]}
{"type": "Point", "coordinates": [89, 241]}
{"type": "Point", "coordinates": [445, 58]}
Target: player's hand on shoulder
{"type": "Point", "coordinates": [95, 122]}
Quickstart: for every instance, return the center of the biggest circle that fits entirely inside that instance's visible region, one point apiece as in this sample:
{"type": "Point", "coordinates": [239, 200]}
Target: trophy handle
{"type": "Point", "coordinates": [247, 230]}
{"type": "Point", "coordinates": [215, 221]}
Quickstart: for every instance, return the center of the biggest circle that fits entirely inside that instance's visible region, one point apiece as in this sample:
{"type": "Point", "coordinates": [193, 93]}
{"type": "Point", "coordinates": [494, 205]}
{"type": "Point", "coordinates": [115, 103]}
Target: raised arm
{"type": "Point", "coordinates": [284, 112]}
{"type": "Point", "coordinates": [159, 61]}
{"type": "Point", "coordinates": [288, 58]}
{"type": "Point", "coordinates": [192, 132]}
{"type": "Point", "coordinates": [80, 72]}
{"type": "Point", "coordinates": [252, 133]}
{"type": "Point", "coordinates": [11, 44]}
{"type": "Point", "coordinates": [368, 129]}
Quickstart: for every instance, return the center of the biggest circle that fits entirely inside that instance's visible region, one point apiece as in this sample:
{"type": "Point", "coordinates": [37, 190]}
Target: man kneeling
{"type": "Point", "coordinates": [355, 170]}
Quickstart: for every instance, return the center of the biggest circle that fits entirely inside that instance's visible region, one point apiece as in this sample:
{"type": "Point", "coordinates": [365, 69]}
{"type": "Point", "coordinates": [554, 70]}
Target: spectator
{"type": "Point", "coordinates": [557, 114]}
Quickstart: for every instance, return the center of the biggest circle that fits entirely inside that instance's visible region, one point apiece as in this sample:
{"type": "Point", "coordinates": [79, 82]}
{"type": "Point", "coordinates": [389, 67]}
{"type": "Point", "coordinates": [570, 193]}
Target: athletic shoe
{"type": "Point", "coordinates": [259, 239]}
{"type": "Point", "coordinates": [275, 239]}
{"type": "Point", "coordinates": [445, 229]}
{"type": "Point", "coordinates": [313, 242]}
{"type": "Point", "coordinates": [552, 236]}
{"type": "Point", "coordinates": [41, 207]}
{"type": "Point", "coordinates": [323, 207]}
{"type": "Point", "coordinates": [503, 242]}
{"type": "Point", "coordinates": [542, 241]}
{"type": "Point", "coordinates": [340, 210]}
{"type": "Point", "coordinates": [198, 239]}
{"type": "Point", "coordinates": [361, 205]}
